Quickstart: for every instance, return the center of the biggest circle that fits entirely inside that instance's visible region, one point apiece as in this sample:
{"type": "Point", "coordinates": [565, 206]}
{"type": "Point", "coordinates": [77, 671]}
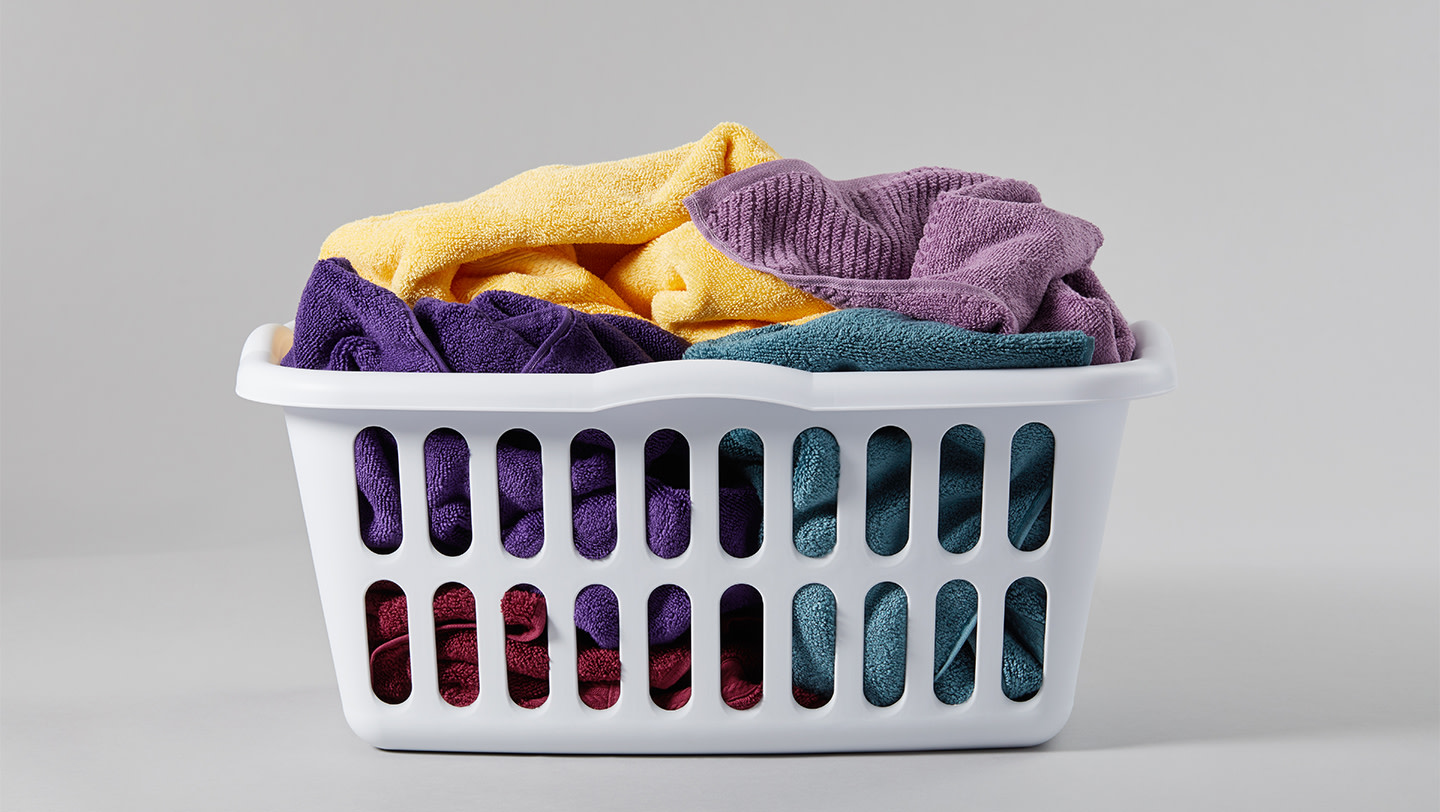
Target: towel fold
{"type": "Point", "coordinates": [609, 237]}
{"type": "Point", "coordinates": [345, 322]}
{"type": "Point", "coordinates": [955, 622]}
{"type": "Point", "coordinates": [957, 247]}
{"type": "Point", "coordinates": [1023, 648]}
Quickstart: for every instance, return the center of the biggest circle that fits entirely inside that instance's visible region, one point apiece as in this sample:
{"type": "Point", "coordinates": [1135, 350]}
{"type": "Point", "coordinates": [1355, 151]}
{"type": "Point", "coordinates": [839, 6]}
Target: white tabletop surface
{"type": "Point", "coordinates": [202, 681]}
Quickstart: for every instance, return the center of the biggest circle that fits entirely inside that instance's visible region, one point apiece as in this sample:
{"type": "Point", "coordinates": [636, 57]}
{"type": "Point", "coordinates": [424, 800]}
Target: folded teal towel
{"type": "Point", "coordinates": [866, 339]}
{"type": "Point", "coordinates": [871, 339]}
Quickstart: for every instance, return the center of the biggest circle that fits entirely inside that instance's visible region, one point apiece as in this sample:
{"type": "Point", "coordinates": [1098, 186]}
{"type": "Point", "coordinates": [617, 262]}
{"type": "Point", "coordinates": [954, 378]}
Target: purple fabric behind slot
{"type": "Point", "coordinates": [347, 323]}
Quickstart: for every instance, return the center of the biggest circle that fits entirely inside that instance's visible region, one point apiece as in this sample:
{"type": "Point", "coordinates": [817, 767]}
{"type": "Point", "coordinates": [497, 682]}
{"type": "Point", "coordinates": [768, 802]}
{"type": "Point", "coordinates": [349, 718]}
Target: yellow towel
{"type": "Point", "coordinates": [610, 237]}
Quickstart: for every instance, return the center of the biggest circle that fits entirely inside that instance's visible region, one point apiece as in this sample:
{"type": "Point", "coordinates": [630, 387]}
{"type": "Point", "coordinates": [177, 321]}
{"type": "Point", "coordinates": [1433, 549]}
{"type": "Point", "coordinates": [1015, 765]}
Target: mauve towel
{"type": "Point", "coordinates": [958, 247]}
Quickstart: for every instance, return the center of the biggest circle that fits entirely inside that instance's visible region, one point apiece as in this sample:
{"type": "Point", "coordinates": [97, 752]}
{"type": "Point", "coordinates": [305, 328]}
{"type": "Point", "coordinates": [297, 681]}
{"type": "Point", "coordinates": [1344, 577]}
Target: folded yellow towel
{"type": "Point", "coordinates": [610, 237]}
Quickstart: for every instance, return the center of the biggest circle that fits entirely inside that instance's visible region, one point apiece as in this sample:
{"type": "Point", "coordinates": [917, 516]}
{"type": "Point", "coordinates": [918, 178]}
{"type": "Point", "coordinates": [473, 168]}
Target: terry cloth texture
{"type": "Point", "coordinates": [886, 613]}
{"type": "Point", "coordinates": [817, 475]}
{"type": "Point", "coordinates": [1023, 653]}
{"type": "Point", "coordinates": [527, 656]}
{"type": "Point", "coordinates": [878, 339]}
{"type": "Point", "coordinates": [812, 648]}
{"type": "Point", "coordinates": [610, 237]}
{"type": "Point", "coordinates": [347, 323]}
{"type": "Point", "coordinates": [955, 621]}
{"type": "Point", "coordinates": [958, 247]}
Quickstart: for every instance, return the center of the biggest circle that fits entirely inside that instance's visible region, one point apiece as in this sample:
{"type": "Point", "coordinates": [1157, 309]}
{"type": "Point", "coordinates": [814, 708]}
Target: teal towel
{"type": "Point", "coordinates": [1024, 656]}
{"type": "Point", "coordinates": [955, 642]}
{"type": "Point", "coordinates": [812, 653]}
{"type": "Point", "coordinates": [871, 339]}
{"type": "Point", "coordinates": [865, 339]}
{"type": "Point", "coordinates": [1023, 653]}
{"type": "Point", "coordinates": [886, 613]}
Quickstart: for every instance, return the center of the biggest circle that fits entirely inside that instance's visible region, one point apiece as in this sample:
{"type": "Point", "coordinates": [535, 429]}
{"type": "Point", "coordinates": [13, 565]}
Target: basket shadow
{"type": "Point", "coordinates": [1249, 656]}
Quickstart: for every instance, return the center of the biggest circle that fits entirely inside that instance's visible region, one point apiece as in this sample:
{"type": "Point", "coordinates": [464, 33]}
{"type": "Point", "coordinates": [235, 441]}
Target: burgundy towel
{"type": "Point", "coordinates": [962, 248]}
{"type": "Point", "coordinates": [527, 656]}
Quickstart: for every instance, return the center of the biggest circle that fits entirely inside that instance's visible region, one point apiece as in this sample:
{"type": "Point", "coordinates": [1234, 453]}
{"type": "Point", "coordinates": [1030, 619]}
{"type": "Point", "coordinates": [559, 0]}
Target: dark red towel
{"type": "Point", "coordinates": [527, 656]}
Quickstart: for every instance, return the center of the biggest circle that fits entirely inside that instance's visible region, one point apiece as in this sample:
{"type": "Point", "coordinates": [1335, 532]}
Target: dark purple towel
{"type": "Point", "coordinates": [966, 249]}
{"type": "Point", "coordinates": [347, 323]}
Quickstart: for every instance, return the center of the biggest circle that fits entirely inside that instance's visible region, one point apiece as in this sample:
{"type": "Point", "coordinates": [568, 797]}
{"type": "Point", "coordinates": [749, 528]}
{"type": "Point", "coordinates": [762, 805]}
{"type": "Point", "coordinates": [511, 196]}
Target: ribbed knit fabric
{"type": "Point", "coordinates": [962, 248]}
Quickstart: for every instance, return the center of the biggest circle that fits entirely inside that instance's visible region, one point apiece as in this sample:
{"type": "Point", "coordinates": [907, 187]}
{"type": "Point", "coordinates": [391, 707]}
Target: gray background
{"type": "Point", "coordinates": [1266, 174]}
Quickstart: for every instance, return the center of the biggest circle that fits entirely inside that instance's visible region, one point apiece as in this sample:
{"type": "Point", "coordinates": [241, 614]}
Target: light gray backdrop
{"type": "Point", "coordinates": [1265, 175]}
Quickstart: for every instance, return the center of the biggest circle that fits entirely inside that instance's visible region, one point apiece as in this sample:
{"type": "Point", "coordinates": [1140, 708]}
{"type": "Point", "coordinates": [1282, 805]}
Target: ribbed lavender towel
{"type": "Point", "coordinates": [962, 248]}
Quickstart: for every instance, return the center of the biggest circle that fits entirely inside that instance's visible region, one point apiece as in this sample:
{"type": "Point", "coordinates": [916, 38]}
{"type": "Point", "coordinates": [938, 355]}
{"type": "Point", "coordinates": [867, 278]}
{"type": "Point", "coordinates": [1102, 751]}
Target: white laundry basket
{"type": "Point", "coordinates": [703, 400]}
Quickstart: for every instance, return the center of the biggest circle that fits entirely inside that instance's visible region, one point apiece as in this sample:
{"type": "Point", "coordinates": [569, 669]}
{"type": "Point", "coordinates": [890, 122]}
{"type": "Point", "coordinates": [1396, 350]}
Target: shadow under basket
{"type": "Point", "coordinates": [703, 401]}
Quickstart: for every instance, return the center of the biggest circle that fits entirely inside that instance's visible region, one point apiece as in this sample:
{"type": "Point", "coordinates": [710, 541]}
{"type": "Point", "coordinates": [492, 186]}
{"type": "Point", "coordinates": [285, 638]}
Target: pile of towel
{"type": "Point", "coordinates": [718, 249]}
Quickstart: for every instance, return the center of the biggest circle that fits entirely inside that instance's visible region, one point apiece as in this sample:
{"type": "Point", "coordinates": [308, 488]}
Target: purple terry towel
{"type": "Point", "coordinates": [347, 323]}
{"type": "Point", "coordinates": [936, 244]}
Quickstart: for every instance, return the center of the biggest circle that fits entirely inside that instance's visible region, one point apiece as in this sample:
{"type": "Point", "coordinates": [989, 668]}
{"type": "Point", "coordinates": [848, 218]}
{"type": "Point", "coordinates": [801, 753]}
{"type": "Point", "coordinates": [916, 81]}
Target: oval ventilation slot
{"type": "Point", "coordinates": [387, 627]}
{"type": "Point", "coordinates": [815, 487]}
{"type": "Point", "coordinates": [667, 493]}
{"type": "Point", "coordinates": [1032, 480]}
{"type": "Point", "coordinates": [668, 613]}
{"type": "Point", "coordinates": [887, 491]}
{"type": "Point", "coordinates": [377, 483]}
{"type": "Point", "coordinates": [597, 646]}
{"type": "Point", "coordinates": [1023, 669]}
{"type": "Point", "coordinates": [447, 491]}
{"type": "Point", "coordinates": [527, 653]}
{"type": "Point", "coordinates": [886, 614]}
{"type": "Point", "coordinates": [812, 653]}
{"type": "Point", "coordinates": [519, 473]}
{"type": "Point", "coordinates": [742, 485]}
{"type": "Point", "coordinates": [592, 493]}
{"type": "Point", "coordinates": [962, 479]}
{"type": "Point", "coordinates": [742, 646]}
{"type": "Point", "coordinates": [456, 654]}
{"type": "Point", "coordinates": [956, 612]}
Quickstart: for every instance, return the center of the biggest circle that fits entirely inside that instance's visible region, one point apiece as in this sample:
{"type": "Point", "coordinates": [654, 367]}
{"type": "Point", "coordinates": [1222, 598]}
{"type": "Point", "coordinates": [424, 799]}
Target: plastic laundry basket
{"type": "Point", "coordinates": [703, 400]}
